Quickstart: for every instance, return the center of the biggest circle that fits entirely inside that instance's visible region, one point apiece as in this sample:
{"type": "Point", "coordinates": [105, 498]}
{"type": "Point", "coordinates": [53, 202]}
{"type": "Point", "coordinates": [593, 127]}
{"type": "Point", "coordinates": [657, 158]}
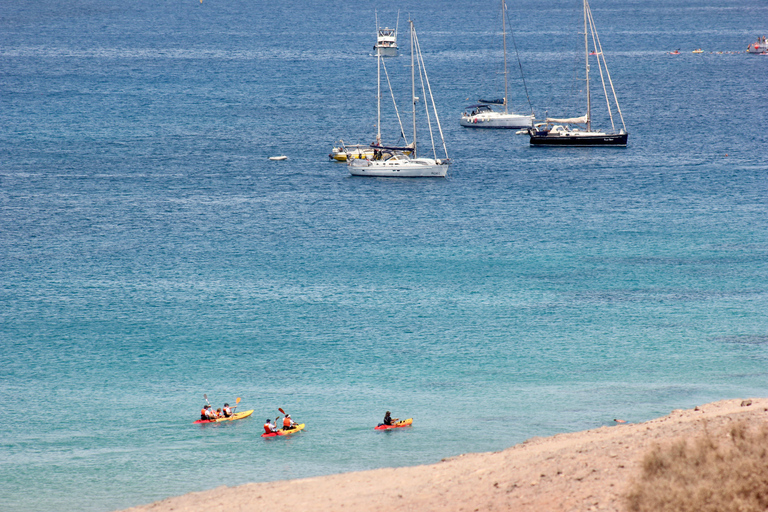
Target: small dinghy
{"type": "Point", "coordinates": [281, 157]}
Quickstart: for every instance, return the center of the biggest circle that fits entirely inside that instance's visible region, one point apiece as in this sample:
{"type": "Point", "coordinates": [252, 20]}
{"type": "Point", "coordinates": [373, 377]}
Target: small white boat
{"type": "Point", "coordinates": [386, 39]}
{"type": "Point", "coordinates": [281, 157]}
{"type": "Point", "coordinates": [761, 46]}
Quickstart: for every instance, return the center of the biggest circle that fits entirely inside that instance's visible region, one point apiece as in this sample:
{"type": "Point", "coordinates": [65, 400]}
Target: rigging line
{"type": "Point", "coordinates": [397, 112]}
{"type": "Point", "coordinates": [434, 108]}
{"type": "Point", "coordinates": [598, 54]}
{"type": "Point", "coordinates": [520, 64]}
{"type": "Point", "coordinates": [424, 90]}
{"type": "Point", "coordinates": [615, 98]}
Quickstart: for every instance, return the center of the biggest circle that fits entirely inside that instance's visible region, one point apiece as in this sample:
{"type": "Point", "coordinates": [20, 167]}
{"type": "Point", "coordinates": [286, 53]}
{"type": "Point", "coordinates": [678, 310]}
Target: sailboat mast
{"type": "Point", "coordinates": [586, 59]}
{"type": "Point", "coordinates": [378, 98]}
{"type": "Point", "coordinates": [397, 25]}
{"type": "Point", "coordinates": [413, 88]}
{"type": "Point", "coordinates": [504, 37]}
{"type": "Point", "coordinates": [378, 84]}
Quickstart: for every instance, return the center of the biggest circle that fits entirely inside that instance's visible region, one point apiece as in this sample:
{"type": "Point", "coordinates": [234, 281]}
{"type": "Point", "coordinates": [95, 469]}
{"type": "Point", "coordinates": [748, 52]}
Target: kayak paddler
{"type": "Point", "coordinates": [207, 413]}
{"type": "Point", "coordinates": [389, 420]}
{"type": "Point", "coordinates": [226, 411]}
{"type": "Point", "coordinates": [270, 427]}
{"type": "Point", "coordinates": [288, 423]}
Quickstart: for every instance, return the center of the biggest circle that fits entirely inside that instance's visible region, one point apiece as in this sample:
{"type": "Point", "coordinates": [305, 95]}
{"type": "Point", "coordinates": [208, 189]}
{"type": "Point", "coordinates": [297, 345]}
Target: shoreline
{"type": "Point", "coordinates": [578, 471]}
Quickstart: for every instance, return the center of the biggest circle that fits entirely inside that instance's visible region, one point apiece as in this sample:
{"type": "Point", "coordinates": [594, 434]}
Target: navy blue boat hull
{"type": "Point", "coordinates": [541, 139]}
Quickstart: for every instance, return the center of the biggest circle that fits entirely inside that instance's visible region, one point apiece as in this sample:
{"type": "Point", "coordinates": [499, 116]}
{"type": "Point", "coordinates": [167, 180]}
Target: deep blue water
{"type": "Point", "coordinates": [150, 253]}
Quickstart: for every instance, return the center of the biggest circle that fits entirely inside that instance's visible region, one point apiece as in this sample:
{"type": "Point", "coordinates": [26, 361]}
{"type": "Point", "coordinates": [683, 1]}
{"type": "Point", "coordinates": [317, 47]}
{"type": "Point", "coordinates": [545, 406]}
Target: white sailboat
{"type": "Point", "coordinates": [558, 131]}
{"type": "Point", "coordinates": [394, 162]}
{"type": "Point", "coordinates": [482, 115]}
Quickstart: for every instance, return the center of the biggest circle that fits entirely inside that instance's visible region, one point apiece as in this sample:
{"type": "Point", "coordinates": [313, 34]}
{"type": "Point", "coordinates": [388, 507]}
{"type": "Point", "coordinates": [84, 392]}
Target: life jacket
{"type": "Point", "coordinates": [203, 414]}
{"type": "Point", "coordinates": [287, 422]}
{"type": "Point", "coordinates": [268, 428]}
{"type": "Point", "coordinates": [227, 412]}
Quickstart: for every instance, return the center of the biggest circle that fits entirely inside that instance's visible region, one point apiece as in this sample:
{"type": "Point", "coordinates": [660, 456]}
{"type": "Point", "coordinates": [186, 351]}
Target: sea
{"type": "Point", "coordinates": [151, 253]}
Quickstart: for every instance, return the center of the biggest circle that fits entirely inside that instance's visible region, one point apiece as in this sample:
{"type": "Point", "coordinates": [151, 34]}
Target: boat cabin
{"type": "Point", "coordinates": [480, 108]}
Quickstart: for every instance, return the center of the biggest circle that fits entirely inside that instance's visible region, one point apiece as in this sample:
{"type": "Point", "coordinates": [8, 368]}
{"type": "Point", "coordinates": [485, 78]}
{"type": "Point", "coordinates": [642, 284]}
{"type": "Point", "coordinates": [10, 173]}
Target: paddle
{"type": "Point", "coordinates": [236, 402]}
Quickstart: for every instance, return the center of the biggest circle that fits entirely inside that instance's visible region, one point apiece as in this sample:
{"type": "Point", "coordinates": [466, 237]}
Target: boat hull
{"type": "Point", "coordinates": [341, 156]}
{"type": "Point", "coordinates": [619, 139]}
{"type": "Point", "coordinates": [236, 416]}
{"type": "Point", "coordinates": [385, 51]}
{"type": "Point", "coordinates": [497, 121]}
{"type": "Point", "coordinates": [399, 424]}
{"type": "Point", "coordinates": [418, 168]}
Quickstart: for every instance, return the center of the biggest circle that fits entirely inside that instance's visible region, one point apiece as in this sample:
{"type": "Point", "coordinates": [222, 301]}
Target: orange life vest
{"type": "Point", "coordinates": [267, 428]}
{"type": "Point", "coordinates": [286, 422]}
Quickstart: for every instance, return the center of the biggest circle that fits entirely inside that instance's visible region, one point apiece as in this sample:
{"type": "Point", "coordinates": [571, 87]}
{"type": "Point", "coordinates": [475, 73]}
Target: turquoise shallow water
{"type": "Point", "coordinates": [150, 253]}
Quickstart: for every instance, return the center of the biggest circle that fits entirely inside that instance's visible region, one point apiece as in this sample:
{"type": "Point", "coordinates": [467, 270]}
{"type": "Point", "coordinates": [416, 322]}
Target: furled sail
{"type": "Point", "coordinates": [568, 120]}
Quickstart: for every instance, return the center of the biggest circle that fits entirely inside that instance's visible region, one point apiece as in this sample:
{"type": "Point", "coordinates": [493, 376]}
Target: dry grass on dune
{"type": "Point", "coordinates": [725, 471]}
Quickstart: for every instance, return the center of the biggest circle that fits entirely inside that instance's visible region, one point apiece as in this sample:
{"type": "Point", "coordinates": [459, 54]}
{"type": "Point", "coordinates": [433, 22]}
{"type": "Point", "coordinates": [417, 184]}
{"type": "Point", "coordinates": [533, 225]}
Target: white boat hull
{"type": "Point", "coordinates": [385, 51]}
{"type": "Point", "coordinates": [411, 168]}
{"type": "Point", "coordinates": [497, 120]}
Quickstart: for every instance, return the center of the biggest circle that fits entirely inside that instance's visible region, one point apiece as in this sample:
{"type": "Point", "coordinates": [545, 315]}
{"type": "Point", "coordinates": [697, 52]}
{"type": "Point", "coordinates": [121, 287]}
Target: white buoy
{"type": "Point", "coordinates": [281, 157]}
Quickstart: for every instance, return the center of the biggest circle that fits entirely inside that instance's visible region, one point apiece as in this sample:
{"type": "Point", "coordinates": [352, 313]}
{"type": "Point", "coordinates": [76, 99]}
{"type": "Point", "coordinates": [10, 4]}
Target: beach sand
{"type": "Point", "coordinates": [579, 471]}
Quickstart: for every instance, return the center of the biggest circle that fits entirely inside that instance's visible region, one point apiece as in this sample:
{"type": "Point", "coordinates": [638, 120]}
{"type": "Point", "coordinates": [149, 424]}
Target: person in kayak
{"type": "Point", "coordinates": [270, 427]}
{"type": "Point", "coordinates": [207, 413]}
{"type": "Point", "coordinates": [226, 411]}
{"type": "Point", "coordinates": [288, 423]}
{"type": "Point", "coordinates": [389, 420]}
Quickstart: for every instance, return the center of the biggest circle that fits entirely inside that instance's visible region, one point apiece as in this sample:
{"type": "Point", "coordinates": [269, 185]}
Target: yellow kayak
{"type": "Point", "coordinates": [236, 416]}
{"type": "Point", "coordinates": [283, 432]}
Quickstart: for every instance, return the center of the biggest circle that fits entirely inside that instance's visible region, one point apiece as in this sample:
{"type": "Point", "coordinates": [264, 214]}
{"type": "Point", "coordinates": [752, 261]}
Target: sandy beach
{"type": "Point", "coordinates": [580, 471]}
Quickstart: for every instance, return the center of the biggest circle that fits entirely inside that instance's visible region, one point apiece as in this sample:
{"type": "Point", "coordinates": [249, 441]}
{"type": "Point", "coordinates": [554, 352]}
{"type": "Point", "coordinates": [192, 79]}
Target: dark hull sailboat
{"type": "Point", "coordinates": [560, 132]}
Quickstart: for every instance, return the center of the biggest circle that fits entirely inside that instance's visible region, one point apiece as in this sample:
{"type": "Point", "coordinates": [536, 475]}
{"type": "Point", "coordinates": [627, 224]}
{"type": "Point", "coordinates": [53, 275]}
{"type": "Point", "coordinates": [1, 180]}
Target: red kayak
{"type": "Point", "coordinates": [399, 424]}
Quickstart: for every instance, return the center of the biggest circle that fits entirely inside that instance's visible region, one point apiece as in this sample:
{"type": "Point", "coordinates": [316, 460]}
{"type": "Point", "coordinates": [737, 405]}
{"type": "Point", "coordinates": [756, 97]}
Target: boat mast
{"type": "Point", "coordinates": [378, 98]}
{"type": "Point", "coordinates": [413, 88]}
{"type": "Point", "coordinates": [397, 25]}
{"type": "Point", "coordinates": [378, 85]}
{"type": "Point", "coordinates": [586, 59]}
{"type": "Point", "coordinates": [504, 37]}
